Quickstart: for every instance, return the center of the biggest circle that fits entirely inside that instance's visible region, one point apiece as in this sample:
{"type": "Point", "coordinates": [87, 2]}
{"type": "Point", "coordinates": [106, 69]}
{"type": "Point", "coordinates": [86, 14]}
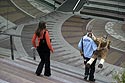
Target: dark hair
{"type": "Point", "coordinates": [41, 26]}
{"type": "Point", "coordinates": [89, 35]}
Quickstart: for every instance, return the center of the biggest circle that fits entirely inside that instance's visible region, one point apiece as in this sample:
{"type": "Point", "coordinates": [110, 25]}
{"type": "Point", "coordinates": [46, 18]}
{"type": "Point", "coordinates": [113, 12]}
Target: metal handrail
{"type": "Point", "coordinates": [76, 5]}
{"type": "Point", "coordinates": [12, 46]}
{"type": "Point", "coordinates": [11, 42]}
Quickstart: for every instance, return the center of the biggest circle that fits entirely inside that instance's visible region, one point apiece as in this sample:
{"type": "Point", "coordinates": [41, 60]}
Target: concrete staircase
{"type": "Point", "coordinates": [22, 70]}
{"type": "Point", "coordinates": [66, 58]}
{"type": "Point", "coordinates": [105, 8]}
{"type": "Point", "coordinates": [64, 53]}
{"type": "Point", "coordinates": [5, 24]}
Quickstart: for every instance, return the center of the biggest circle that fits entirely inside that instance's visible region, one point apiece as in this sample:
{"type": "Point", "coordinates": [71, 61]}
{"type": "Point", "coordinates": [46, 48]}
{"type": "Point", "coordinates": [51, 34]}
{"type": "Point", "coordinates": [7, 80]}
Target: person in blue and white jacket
{"type": "Point", "coordinates": [87, 48]}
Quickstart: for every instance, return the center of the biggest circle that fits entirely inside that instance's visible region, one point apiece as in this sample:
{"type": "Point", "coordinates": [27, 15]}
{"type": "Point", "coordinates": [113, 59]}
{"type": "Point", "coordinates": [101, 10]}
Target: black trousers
{"type": "Point", "coordinates": [91, 70]}
{"type": "Point", "coordinates": [45, 60]}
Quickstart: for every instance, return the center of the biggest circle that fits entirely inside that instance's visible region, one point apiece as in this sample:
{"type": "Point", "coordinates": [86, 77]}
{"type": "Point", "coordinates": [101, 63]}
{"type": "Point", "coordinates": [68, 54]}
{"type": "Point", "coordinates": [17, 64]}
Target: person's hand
{"type": "Point", "coordinates": [82, 54]}
{"type": "Point", "coordinates": [33, 48]}
{"type": "Point", "coordinates": [52, 51]}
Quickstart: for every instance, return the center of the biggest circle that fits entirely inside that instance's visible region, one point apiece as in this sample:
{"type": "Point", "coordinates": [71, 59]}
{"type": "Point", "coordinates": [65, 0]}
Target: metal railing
{"type": "Point", "coordinates": [11, 43]}
{"type": "Point", "coordinates": [10, 38]}
{"type": "Point", "coordinates": [78, 3]}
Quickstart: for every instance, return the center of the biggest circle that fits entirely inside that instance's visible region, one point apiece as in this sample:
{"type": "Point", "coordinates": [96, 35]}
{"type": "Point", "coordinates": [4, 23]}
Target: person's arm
{"type": "Point", "coordinates": [34, 40]}
{"type": "Point", "coordinates": [93, 36]}
{"type": "Point", "coordinates": [94, 46]}
{"type": "Point", "coordinates": [79, 44]}
{"type": "Point", "coordinates": [48, 41]}
{"type": "Point", "coordinates": [80, 47]}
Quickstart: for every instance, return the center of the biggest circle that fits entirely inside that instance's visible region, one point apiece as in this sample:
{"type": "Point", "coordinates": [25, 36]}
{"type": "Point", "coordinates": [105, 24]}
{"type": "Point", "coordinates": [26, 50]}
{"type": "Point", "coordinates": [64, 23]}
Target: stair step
{"type": "Point", "coordinates": [108, 3]}
{"type": "Point", "coordinates": [13, 78]}
{"type": "Point", "coordinates": [20, 72]}
{"type": "Point", "coordinates": [73, 71]}
{"type": "Point", "coordinates": [105, 9]}
{"type": "Point", "coordinates": [110, 9]}
{"type": "Point", "coordinates": [102, 14]}
{"type": "Point", "coordinates": [118, 0]}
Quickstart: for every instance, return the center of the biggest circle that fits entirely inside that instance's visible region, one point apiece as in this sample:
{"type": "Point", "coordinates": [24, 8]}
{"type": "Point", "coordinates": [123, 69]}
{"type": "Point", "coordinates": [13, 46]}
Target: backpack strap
{"type": "Point", "coordinates": [44, 35]}
{"type": "Point", "coordinates": [82, 45]}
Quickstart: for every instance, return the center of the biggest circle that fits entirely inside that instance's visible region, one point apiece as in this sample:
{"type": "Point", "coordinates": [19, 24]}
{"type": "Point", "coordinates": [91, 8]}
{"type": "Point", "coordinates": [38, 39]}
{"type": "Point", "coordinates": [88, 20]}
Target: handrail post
{"type": "Point", "coordinates": [11, 45]}
{"type": "Point", "coordinates": [34, 54]}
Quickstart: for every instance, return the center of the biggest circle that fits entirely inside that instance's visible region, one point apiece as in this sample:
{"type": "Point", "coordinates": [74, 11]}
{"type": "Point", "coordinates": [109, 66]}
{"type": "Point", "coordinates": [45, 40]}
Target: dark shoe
{"type": "Point", "coordinates": [100, 66]}
{"type": "Point", "coordinates": [38, 74]}
{"type": "Point", "coordinates": [86, 76]}
{"type": "Point", "coordinates": [48, 75]}
{"type": "Point", "coordinates": [92, 80]}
